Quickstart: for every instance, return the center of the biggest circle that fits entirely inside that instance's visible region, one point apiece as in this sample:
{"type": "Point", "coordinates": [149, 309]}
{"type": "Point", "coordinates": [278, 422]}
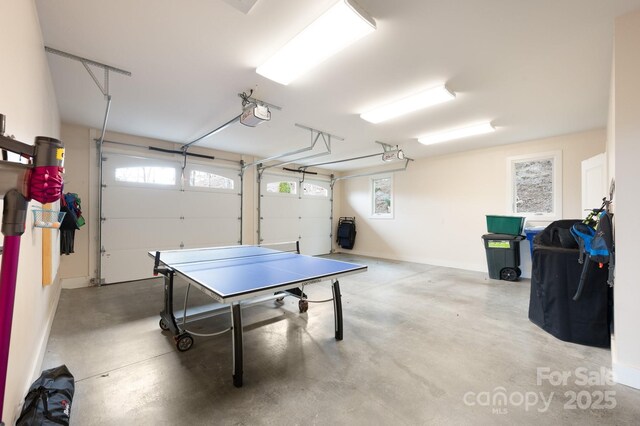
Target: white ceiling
{"type": "Point", "coordinates": [534, 68]}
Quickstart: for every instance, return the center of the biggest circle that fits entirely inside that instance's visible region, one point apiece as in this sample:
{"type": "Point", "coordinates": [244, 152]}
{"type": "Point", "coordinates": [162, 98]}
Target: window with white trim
{"type": "Point", "coordinates": [535, 185]}
{"type": "Point", "coordinates": [382, 197]}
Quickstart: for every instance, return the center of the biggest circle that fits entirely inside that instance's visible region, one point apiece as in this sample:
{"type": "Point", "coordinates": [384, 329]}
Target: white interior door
{"type": "Point", "coordinates": [291, 210]}
{"type": "Point", "coordinates": [146, 206]}
{"type": "Point", "coordinates": [594, 182]}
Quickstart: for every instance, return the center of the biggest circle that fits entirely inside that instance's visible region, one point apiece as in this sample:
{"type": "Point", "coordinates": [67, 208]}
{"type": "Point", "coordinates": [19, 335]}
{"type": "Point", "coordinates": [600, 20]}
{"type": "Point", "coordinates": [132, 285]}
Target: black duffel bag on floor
{"type": "Point", "coordinates": [49, 399]}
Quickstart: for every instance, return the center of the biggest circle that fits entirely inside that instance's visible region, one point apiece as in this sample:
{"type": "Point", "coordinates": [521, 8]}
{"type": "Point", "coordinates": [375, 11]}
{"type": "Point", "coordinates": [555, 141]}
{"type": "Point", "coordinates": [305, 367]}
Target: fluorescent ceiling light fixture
{"type": "Point", "coordinates": [426, 98]}
{"type": "Point", "coordinates": [461, 132]}
{"type": "Point", "coordinates": [337, 28]}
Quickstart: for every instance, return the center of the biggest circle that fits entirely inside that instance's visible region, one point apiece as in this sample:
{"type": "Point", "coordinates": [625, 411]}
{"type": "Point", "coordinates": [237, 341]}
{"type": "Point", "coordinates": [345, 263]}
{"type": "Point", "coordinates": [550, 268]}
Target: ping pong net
{"type": "Point", "coordinates": [233, 255]}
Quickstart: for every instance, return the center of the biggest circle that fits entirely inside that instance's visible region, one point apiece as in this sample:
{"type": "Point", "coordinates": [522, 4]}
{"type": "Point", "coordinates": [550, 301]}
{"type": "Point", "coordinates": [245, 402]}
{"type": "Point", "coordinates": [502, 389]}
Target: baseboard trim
{"type": "Point", "coordinates": [78, 282]}
{"type": "Point", "coordinates": [425, 261]}
{"type": "Point", "coordinates": [626, 375]}
{"type": "Point", "coordinates": [36, 368]}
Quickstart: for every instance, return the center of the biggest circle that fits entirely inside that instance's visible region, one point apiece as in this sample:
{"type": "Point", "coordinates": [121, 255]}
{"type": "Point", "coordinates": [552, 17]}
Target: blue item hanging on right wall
{"type": "Point", "coordinates": [596, 244]}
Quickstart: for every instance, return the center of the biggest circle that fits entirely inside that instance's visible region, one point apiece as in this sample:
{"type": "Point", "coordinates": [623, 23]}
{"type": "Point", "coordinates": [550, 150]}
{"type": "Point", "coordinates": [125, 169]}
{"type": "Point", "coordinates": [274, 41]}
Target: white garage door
{"type": "Point", "coordinates": [147, 206]}
{"type": "Point", "coordinates": [291, 210]}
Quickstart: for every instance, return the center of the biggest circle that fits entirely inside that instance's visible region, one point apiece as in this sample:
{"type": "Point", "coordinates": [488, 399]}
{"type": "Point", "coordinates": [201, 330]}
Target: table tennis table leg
{"type": "Point", "coordinates": [337, 308]}
{"type": "Point", "coordinates": [167, 317]}
{"type": "Point", "coordinates": [236, 339]}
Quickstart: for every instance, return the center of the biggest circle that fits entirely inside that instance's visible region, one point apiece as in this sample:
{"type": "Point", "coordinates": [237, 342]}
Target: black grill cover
{"type": "Point", "coordinates": [554, 281]}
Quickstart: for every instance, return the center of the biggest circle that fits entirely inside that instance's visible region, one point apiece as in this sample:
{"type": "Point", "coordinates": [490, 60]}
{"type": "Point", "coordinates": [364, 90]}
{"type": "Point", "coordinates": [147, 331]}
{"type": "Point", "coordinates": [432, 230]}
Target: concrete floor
{"type": "Point", "coordinates": [422, 345]}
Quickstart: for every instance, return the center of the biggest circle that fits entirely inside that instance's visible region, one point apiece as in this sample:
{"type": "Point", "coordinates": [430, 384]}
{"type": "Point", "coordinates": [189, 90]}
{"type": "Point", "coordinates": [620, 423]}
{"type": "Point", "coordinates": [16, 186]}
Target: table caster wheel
{"type": "Point", "coordinates": [184, 342]}
{"type": "Point", "coordinates": [303, 305]}
{"type": "Point", "coordinates": [509, 274]}
{"type": "Point", "coordinates": [163, 325]}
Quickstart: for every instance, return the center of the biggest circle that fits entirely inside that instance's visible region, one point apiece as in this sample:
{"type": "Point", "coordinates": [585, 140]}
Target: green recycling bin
{"type": "Point", "coordinates": [503, 256]}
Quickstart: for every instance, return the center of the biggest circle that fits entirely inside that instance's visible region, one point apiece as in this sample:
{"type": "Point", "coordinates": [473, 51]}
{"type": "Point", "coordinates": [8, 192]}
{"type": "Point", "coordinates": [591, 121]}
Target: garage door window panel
{"type": "Point", "coordinates": [152, 175]}
{"type": "Point", "coordinates": [215, 179]}
{"type": "Point", "coordinates": [283, 187]}
{"type": "Point", "coordinates": [131, 171]}
{"type": "Point", "coordinates": [316, 190]}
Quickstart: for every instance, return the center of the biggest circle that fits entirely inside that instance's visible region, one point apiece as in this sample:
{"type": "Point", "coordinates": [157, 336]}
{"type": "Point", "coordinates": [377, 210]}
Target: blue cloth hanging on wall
{"type": "Point", "coordinates": [72, 221]}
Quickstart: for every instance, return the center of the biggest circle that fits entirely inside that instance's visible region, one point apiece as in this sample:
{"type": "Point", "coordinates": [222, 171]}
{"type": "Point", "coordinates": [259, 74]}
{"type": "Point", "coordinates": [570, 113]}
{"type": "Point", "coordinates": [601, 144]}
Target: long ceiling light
{"type": "Point", "coordinates": [461, 132]}
{"type": "Point", "coordinates": [424, 99]}
{"type": "Point", "coordinates": [337, 28]}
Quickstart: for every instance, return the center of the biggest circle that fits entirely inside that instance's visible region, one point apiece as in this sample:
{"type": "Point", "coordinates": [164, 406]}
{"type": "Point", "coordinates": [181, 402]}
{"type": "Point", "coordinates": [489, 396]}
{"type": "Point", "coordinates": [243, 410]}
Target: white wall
{"type": "Point", "coordinates": [441, 202]}
{"type": "Point", "coordinates": [28, 100]}
{"type": "Point", "coordinates": [626, 115]}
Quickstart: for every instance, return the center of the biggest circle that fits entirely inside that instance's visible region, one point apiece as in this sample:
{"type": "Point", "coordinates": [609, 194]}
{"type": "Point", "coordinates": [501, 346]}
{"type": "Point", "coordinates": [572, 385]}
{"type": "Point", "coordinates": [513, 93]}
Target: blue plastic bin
{"type": "Point", "coordinates": [531, 233]}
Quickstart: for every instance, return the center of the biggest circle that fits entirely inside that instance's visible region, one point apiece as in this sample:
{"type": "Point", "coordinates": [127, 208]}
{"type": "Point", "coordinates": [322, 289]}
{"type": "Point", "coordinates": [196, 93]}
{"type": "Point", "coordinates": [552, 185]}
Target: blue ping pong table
{"type": "Point", "coordinates": [236, 276]}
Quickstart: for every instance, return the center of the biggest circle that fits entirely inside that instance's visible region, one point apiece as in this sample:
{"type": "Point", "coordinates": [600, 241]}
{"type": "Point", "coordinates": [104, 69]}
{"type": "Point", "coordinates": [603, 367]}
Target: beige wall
{"type": "Point", "coordinates": [28, 100]}
{"type": "Point", "coordinates": [441, 203]}
{"type": "Point", "coordinates": [74, 268]}
{"type": "Point", "coordinates": [626, 115]}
